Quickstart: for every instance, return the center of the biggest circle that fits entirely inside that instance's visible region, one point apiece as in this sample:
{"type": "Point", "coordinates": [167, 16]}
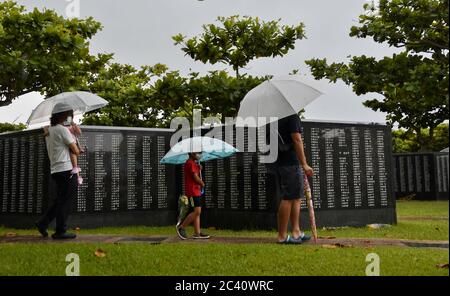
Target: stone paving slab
{"type": "Point", "coordinates": [327, 242]}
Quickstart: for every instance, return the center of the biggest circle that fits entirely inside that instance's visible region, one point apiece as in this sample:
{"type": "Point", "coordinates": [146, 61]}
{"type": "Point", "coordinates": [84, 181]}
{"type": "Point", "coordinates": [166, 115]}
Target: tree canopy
{"type": "Point", "coordinates": [45, 52]}
{"type": "Point", "coordinates": [11, 127]}
{"type": "Point", "coordinates": [406, 141]}
{"type": "Point", "coordinates": [236, 41]}
{"type": "Point", "coordinates": [153, 95]}
{"type": "Point", "coordinates": [414, 82]}
{"type": "Point", "coordinates": [143, 97]}
{"type": "Point", "coordinates": [129, 93]}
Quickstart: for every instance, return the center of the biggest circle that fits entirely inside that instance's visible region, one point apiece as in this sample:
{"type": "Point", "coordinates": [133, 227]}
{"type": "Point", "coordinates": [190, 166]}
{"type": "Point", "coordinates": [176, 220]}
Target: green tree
{"type": "Point", "coordinates": [130, 95]}
{"type": "Point", "coordinates": [406, 141]}
{"type": "Point", "coordinates": [42, 51]}
{"type": "Point", "coordinates": [152, 96]}
{"type": "Point", "coordinates": [220, 93]}
{"type": "Point", "coordinates": [440, 137]}
{"type": "Point", "coordinates": [238, 40]}
{"type": "Point", "coordinates": [11, 127]}
{"type": "Point", "coordinates": [215, 93]}
{"type": "Point", "coordinates": [414, 82]}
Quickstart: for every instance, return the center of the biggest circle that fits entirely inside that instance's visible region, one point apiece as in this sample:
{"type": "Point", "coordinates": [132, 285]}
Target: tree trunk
{"type": "Point", "coordinates": [420, 140]}
{"type": "Point", "coordinates": [237, 72]}
{"type": "Point", "coordinates": [430, 142]}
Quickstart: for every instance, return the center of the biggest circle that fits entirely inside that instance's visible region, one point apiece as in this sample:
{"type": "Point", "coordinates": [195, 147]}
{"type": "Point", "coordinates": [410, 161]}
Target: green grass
{"type": "Point", "coordinates": [240, 259]}
{"type": "Point", "coordinates": [405, 229]}
{"type": "Point", "coordinates": [217, 259]}
{"type": "Point", "coordinates": [417, 230]}
{"type": "Point", "coordinates": [422, 208]}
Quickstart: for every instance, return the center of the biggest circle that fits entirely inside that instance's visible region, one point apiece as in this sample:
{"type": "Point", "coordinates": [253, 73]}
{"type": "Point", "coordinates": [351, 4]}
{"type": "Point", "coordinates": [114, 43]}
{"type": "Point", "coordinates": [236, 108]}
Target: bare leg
{"type": "Point", "coordinates": [295, 218]}
{"type": "Point", "coordinates": [197, 220]}
{"type": "Point", "coordinates": [188, 220]}
{"type": "Point", "coordinates": [284, 211]}
{"type": "Point", "coordinates": [193, 217]}
{"type": "Point", "coordinates": [74, 160]}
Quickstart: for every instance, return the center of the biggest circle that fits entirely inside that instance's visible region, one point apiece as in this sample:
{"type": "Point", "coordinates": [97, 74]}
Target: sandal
{"type": "Point", "coordinates": [291, 241]}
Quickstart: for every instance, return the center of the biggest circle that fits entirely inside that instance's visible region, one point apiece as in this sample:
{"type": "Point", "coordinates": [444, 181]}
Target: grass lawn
{"type": "Point", "coordinates": [241, 259]}
{"type": "Point", "coordinates": [217, 259]}
{"type": "Point", "coordinates": [420, 229]}
{"type": "Point", "coordinates": [422, 208]}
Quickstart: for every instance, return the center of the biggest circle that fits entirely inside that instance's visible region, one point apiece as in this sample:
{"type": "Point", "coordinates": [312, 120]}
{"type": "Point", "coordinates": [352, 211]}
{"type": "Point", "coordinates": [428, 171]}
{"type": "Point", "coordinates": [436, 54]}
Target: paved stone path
{"type": "Point", "coordinates": [326, 242]}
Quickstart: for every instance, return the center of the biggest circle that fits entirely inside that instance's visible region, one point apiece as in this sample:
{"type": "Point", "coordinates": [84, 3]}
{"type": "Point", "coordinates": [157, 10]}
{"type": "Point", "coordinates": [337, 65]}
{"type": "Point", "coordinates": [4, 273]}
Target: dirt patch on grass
{"type": "Point", "coordinates": [327, 242]}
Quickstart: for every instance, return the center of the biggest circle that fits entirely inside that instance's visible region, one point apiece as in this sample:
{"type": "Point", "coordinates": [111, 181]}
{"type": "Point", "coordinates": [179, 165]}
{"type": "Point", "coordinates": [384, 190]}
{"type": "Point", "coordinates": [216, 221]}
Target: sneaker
{"type": "Point", "coordinates": [181, 232]}
{"type": "Point", "coordinates": [201, 236]}
{"type": "Point", "coordinates": [64, 235]}
{"type": "Point", "coordinates": [42, 230]}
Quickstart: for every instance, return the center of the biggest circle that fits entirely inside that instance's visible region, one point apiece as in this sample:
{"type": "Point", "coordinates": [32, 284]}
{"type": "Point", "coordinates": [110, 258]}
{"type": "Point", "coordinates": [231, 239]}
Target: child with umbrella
{"type": "Point", "coordinates": [187, 152]}
{"type": "Point", "coordinates": [193, 185]}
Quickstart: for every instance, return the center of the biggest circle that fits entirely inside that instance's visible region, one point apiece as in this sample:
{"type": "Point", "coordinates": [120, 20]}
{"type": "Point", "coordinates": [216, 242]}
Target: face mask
{"type": "Point", "coordinates": [68, 121]}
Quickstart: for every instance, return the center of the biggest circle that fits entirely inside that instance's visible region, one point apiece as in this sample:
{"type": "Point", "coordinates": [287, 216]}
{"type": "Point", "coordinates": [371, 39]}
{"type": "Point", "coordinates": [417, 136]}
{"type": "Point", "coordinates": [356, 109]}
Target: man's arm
{"type": "Point", "coordinates": [46, 132]}
{"type": "Point", "coordinates": [298, 145]}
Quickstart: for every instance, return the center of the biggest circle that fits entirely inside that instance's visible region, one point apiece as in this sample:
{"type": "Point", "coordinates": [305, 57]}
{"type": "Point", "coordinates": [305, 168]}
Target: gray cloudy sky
{"type": "Point", "coordinates": [139, 32]}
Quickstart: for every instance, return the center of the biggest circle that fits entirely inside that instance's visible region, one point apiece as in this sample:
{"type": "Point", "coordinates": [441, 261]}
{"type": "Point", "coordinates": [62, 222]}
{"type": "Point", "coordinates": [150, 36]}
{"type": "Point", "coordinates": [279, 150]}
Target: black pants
{"type": "Point", "coordinates": [66, 190]}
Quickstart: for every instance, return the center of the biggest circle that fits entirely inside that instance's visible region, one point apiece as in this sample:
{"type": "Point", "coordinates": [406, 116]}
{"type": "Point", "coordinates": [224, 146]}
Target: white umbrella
{"type": "Point", "coordinates": [78, 101]}
{"type": "Point", "coordinates": [275, 99]}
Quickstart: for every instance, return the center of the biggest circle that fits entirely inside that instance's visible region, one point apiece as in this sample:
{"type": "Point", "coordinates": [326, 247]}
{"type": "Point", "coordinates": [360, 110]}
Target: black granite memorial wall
{"type": "Point", "coordinates": [124, 184]}
{"type": "Point", "coordinates": [351, 185]}
{"type": "Point", "coordinates": [422, 176]}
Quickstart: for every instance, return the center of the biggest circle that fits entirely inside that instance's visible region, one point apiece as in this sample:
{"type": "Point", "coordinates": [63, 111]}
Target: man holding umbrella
{"type": "Point", "coordinates": [291, 160]}
{"type": "Point", "coordinates": [279, 100]}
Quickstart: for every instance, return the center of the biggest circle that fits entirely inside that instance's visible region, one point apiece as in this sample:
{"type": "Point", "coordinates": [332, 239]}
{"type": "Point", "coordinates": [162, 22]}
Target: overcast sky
{"type": "Point", "coordinates": [139, 32]}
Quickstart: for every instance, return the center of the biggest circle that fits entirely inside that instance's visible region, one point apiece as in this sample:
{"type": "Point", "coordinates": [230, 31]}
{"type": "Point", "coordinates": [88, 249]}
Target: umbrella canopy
{"type": "Point", "coordinates": [209, 147]}
{"type": "Point", "coordinates": [275, 99]}
{"type": "Point", "coordinates": [78, 101]}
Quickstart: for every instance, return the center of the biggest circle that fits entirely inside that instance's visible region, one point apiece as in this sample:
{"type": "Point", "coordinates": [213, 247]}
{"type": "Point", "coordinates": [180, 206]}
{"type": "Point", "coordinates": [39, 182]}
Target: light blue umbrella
{"type": "Point", "coordinates": [209, 147]}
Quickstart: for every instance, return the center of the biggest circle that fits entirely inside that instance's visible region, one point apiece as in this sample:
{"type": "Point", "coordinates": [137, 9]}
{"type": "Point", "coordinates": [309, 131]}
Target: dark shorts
{"type": "Point", "coordinates": [289, 182]}
{"type": "Point", "coordinates": [195, 201]}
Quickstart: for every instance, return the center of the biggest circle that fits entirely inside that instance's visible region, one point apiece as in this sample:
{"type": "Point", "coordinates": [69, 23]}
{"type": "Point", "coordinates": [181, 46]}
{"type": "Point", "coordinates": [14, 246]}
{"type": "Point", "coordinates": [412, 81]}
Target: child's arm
{"type": "Point", "coordinates": [76, 130]}
{"type": "Point", "coordinates": [198, 180]}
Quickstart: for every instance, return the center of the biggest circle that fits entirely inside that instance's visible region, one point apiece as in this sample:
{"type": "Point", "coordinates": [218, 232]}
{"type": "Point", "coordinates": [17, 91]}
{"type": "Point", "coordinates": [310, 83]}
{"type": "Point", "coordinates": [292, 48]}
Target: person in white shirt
{"type": "Point", "coordinates": [60, 143]}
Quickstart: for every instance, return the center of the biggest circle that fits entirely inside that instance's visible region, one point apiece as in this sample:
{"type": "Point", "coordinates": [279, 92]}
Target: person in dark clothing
{"type": "Point", "coordinates": [60, 143]}
{"type": "Point", "coordinates": [289, 168]}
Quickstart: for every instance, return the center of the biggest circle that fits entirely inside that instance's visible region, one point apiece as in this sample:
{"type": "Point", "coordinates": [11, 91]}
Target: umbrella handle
{"type": "Point", "coordinates": [310, 204]}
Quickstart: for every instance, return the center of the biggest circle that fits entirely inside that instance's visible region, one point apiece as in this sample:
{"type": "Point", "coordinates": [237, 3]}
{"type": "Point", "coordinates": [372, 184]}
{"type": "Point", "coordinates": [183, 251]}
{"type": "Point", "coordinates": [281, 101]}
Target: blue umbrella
{"type": "Point", "coordinates": [209, 147]}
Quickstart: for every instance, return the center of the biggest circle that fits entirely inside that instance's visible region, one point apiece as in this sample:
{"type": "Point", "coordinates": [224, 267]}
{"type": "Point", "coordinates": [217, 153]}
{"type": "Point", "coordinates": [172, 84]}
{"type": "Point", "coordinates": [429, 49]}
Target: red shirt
{"type": "Point", "coordinates": [191, 188]}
